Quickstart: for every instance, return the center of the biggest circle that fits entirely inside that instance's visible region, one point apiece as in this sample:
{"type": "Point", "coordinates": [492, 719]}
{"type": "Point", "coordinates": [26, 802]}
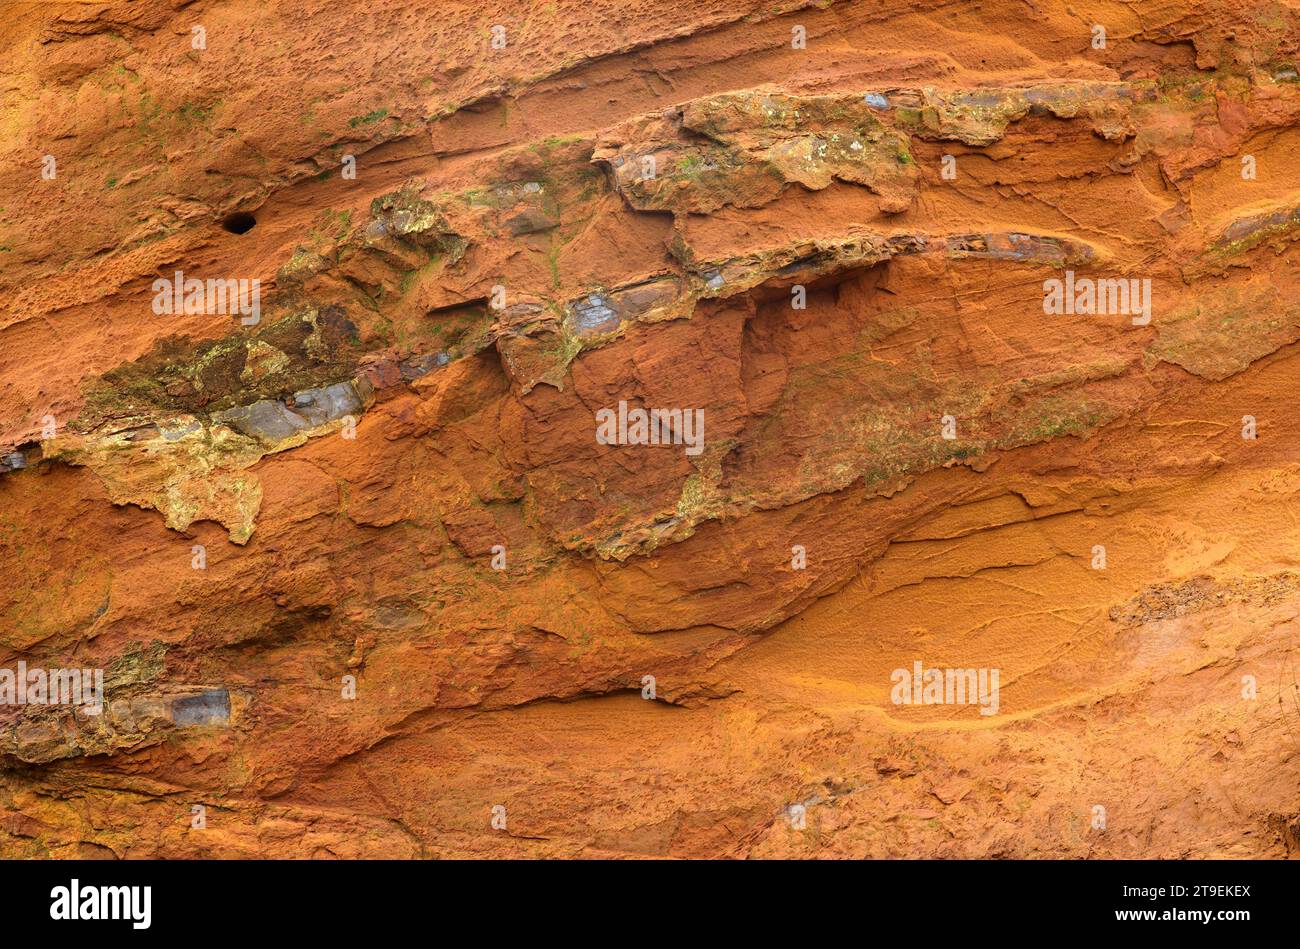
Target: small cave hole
{"type": "Point", "coordinates": [241, 222]}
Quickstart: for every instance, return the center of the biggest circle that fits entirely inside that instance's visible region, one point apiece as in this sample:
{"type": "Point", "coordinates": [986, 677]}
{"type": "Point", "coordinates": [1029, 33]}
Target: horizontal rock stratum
{"type": "Point", "coordinates": [732, 429]}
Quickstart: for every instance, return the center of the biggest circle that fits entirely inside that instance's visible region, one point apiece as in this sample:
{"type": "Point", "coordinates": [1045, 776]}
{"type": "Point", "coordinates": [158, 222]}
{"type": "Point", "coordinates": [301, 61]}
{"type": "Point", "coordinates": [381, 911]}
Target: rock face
{"type": "Point", "coordinates": [737, 429]}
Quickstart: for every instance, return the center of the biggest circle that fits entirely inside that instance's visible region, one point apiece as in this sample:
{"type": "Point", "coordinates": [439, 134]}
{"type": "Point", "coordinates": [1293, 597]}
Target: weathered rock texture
{"type": "Point", "coordinates": [621, 205]}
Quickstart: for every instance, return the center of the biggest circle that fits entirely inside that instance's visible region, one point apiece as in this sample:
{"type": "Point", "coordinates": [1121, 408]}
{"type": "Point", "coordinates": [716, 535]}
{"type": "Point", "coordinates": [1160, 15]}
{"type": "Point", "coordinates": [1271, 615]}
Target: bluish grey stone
{"type": "Point", "coordinates": [274, 421]}
{"type": "Point", "coordinates": [175, 434]}
{"type": "Point", "coordinates": [266, 419]}
{"type": "Point", "coordinates": [328, 403]}
{"type": "Point", "coordinates": [593, 312]}
{"type": "Point", "coordinates": [209, 707]}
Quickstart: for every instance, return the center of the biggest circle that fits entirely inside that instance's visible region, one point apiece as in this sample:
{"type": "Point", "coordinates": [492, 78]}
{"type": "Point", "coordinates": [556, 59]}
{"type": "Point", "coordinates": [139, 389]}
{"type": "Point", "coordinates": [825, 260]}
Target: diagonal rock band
{"type": "Point", "coordinates": [765, 430]}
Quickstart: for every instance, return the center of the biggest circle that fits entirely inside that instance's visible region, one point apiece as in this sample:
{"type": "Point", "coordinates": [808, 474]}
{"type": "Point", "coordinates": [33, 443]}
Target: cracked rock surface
{"type": "Point", "coordinates": [359, 569]}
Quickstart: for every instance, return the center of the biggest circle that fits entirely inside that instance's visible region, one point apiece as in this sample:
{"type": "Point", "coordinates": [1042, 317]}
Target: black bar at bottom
{"type": "Point", "coordinates": [650, 900]}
